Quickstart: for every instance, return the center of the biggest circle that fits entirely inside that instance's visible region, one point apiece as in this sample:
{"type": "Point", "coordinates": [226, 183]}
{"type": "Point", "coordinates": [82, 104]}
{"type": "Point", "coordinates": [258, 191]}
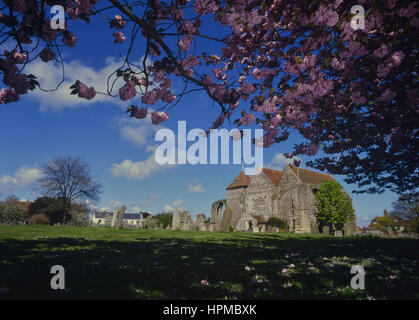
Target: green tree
{"type": "Point", "coordinates": [384, 223]}
{"type": "Point", "coordinates": [164, 218]}
{"type": "Point", "coordinates": [12, 211]}
{"type": "Point", "coordinates": [334, 207]}
{"type": "Point", "coordinates": [277, 222]}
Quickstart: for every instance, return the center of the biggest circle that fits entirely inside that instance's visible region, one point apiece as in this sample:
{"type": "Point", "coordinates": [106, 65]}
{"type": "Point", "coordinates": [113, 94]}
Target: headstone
{"type": "Point", "coordinates": [338, 233]}
{"type": "Point", "coordinates": [349, 228]}
{"type": "Point", "coordinates": [117, 218]}
{"type": "Point", "coordinates": [326, 230]}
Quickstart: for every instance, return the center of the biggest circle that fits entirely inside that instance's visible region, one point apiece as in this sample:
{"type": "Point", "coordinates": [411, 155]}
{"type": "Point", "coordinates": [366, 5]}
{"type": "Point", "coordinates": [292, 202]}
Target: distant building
{"type": "Point", "coordinates": [130, 220]}
{"type": "Point", "coordinates": [396, 224]}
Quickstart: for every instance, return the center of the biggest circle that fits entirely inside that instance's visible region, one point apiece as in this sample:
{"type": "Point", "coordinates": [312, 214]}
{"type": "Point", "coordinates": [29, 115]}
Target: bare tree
{"type": "Point", "coordinates": [69, 179]}
{"type": "Point", "coordinates": [407, 209]}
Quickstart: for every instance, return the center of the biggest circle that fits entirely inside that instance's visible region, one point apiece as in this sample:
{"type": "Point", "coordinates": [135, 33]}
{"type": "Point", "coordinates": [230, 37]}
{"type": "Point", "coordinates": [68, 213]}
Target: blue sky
{"type": "Point", "coordinates": [44, 125]}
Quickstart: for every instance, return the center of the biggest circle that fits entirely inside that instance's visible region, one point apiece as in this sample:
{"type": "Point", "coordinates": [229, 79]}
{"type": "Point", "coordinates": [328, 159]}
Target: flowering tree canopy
{"type": "Point", "coordinates": [292, 66]}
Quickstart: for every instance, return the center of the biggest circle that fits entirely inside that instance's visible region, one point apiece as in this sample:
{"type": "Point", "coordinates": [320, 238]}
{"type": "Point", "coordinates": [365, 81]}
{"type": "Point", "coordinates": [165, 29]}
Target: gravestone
{"type": "Point", "coordinates": [349, 228]}
{"type": "Point", "coordinates": [338, 233]}
{"type": "Point", "coordinates": [117, 218]}
{"type": "Point", "coordinates": [326, 230]}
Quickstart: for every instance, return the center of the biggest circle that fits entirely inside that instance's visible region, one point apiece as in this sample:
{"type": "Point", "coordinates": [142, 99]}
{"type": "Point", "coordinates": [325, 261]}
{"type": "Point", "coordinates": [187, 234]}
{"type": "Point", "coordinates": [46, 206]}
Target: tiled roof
{"type": "Point", "coordinates": [305, 176]}
{"type": "Point", "coordinates": [241, 180]}
{"type": "Point", "coordinates": [273, 175]}
{"type": "Point", "coordinates": [102, 215]}
{"type": "Point", "coordinates": [312, 177]}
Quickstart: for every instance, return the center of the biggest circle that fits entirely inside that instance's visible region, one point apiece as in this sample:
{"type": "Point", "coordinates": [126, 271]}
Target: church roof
{"type": "Point", "coordinates": [305, 176]}
{"type": "Point", "coordinates": [273, 175]}
{"type": "Point", "coordinates": [312, 177]}
{"type": "Point", "coordinates": [241, 180]}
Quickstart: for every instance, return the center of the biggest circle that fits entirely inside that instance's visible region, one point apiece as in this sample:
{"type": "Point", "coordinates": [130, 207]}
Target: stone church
{"type": "Point", "coordinates": [287, 194]}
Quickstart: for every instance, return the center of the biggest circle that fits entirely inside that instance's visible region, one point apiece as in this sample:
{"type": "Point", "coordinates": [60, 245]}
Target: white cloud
{"type": "Point", "coordinates": [137, 131]}
{"type": "Point", "coordinates": [135, 209]}
{"type": "Point", "coordinates": [195, 187]}
{"type": "Point", "coordinates": [279, 161]}
{"type": "Point", "coordinates": [22, 178]}
{"type": "Point", "coordinates": [26, 176]}
{"type": "Point", "coordinates": [168, 208]}
{"type": "Point", "coordinates": [50, 74]}
{"type": "Point", "coordinates": [116, 204]}
{"type": "Point", "coordinates": [175, 205]}
{"type": "Point", "coordinates": [139, 170]}
{"type": "Point", "coordinates": [178, 203]}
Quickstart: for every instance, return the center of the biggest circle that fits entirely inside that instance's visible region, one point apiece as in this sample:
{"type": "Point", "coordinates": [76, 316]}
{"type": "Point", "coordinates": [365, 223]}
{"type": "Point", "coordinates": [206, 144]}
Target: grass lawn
{"type": "Point", "coordinates": [104, 263]}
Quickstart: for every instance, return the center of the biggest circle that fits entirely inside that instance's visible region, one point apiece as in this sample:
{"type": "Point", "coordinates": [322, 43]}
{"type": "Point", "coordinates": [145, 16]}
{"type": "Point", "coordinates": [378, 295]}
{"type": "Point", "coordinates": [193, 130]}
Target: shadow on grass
{"type": "Point", "coordinates": [247, 267]}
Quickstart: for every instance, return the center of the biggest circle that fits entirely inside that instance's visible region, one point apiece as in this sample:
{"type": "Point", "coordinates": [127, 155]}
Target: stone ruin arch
{"type": "Point", "coordinates": [217, 213]}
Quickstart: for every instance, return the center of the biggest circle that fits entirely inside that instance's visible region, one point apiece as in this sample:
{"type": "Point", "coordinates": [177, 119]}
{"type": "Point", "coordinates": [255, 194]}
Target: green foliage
{"type": "Point", "coordinates": [12, 211]}
{"type": "Point", "coordinates": [277, 222]}
{"type": "Point", "coordinates": [334, 207]}
{"type": "Point", "coordinates": [164, 218]}
{"type": "Point", "coordinates": [53, 208]}
{"type": "Point", "coordinates": [384, 222]}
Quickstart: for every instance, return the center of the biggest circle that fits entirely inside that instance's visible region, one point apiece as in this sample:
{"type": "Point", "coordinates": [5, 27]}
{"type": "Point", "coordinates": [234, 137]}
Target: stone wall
{"type": "Point", "coordinates": [182, 220]}
{"type": "Point", "coordinates": [226, 222]}
{"type": "Point", "coordinates": [236, 202]}
{"type": "Point", "coordinates": [259, 197]}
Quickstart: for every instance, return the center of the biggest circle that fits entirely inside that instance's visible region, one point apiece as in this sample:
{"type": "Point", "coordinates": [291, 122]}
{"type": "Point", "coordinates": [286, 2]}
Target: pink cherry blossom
{"type": "Point", "coordinates": [158, 117]}
{"type": "Point", "coordinates": [119, 37]}
{"type": "Point", "coordinates": [185, 42]}
{"type": "Point", "coordinates": [69, 39]}
{"type": "Point", "coordinates": [8, 95]}
{"type": "Point", "coordinates": [127, 91]}
{"type": "Point", "coordinates": [85, 92]}
{"type": "Point", "coordinates": [117, 22]}
{"type": "Point", "coordinates": [47, 55]}
{"type": "Point", "coordinates": [139, 113]}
